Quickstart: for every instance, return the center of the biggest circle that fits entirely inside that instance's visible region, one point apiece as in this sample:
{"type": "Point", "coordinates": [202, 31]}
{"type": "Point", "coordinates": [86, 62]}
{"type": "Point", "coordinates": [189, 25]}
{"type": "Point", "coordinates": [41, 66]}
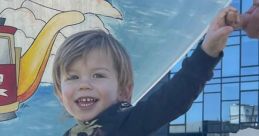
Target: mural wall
{"type": "Point", "coordinates": [155, 33]}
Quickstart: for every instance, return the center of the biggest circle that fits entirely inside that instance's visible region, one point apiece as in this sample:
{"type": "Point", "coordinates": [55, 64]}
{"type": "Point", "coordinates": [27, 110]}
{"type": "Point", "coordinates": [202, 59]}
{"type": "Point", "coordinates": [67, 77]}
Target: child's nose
{"type": "Point", "coordinates": [85, 84]}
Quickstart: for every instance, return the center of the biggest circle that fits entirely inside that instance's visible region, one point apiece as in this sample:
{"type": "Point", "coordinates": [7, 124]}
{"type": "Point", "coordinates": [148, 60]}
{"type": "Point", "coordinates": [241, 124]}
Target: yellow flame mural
{"type": "Point", "coordinates": [30, 33]}
{"type": "Point", "coordinates": [34, 61]}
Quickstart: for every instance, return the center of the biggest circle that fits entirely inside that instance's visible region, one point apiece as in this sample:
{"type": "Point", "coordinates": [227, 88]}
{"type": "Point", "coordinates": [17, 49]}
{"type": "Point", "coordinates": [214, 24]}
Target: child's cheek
{"type": "Point", "coordinates": [68, 87]}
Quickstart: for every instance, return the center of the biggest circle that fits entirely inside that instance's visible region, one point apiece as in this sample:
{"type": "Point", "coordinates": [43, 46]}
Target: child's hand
{"type": "Point", "coordinates": [216, 37]}
{"type": "Point", "coordinates": [233, 19]}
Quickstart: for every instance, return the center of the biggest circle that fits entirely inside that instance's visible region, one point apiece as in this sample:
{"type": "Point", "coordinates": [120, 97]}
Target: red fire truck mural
{"type": "Point", "coordinates": [21, 75]}
{"type": "Point", "coordinates": [8, 80]}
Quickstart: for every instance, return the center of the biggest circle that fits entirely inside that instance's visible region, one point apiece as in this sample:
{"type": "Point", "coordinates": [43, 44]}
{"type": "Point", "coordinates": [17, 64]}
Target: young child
{"type": "Point", "coordinates": [93, 80]}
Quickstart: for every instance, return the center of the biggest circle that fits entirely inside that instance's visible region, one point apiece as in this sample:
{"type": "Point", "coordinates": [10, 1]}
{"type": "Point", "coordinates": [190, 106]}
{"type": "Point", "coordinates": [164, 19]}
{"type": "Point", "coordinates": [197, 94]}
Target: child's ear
{"type": "Point", "coordinates": [126, 93]}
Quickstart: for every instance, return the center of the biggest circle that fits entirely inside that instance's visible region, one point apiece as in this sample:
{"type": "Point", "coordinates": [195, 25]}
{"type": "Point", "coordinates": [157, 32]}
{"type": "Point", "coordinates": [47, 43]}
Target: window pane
{"type": "Point", "coordinates": [249, 70]}
{"type": "Point", "coordinates": [212, 106]}
{"type": "Point", "coordinates": [233, 41]}
{"type": "Point", "coordinates": [250, 78]}
{"type": "Point", "coordinates": [216, 73]}
{"type": "Point", "coordinates": [249, 106]}
{"type": "Point", "coordinates": [233, 79]}
{"type": "Point", "coordinates": [249, 52]}
{"type": "Point", "coordinates": [231, 55]}
{"type": "Point", "coordinates": [230, 91]}
{"type": "Point", "coordinates": [214, 81]}
{"type": "Point", "coordinates": [249, 85]}
{"type": "Point", "coordinates": [234, 113]}
{"type": "Point", "coordinates": [212, 127]}
{"type": "Point", "coordinates": [230, 116]}
{"type": "Point", "coordinates": [179, 120]}
{"type": "Point", "coordinates": [4, 51]}
{"type": "Point", "coordinates": [226, 114]}
{"type": "Point", "coordinates": [249, 98]}
{"type": "Point", "coordinates": [177, 129]}
{"type": "Point", "coordinates": [199, 99]}
{"type": "Point", "coordinates": [194, 118]}
{"type": "Point", "coordinates": [235, 33]}
{"type": "Point", "coordinates": [212, 88]}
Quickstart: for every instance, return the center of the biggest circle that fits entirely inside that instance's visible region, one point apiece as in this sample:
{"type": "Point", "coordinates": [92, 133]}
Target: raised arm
{"type": "Point", "coordinates": [176, 96]}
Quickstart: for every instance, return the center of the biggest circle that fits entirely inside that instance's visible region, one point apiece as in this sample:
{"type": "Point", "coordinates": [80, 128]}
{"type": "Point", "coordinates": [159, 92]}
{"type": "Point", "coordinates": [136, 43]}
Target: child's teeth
{"type": "Point", "coordinates": [87, 99]}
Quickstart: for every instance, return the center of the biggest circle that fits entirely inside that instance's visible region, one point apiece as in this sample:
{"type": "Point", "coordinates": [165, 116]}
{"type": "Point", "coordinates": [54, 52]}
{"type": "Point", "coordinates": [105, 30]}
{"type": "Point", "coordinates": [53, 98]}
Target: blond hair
{"type": "Point", "coordinates": [80, 44]}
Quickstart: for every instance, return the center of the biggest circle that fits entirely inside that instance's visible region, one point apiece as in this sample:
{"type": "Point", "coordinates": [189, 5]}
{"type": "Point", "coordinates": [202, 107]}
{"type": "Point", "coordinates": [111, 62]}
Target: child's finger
{"type": "Point", "coordinates": [224, 11]}
{"type": "Point", "coordinates": [220, 18]}
{"type": "Point", "coordinates": [225, 31]}
{"type": "Point", "coordinates": [232, 19]}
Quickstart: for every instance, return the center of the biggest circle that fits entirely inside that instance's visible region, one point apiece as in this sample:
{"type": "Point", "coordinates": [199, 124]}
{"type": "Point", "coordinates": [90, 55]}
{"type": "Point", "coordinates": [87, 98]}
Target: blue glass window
{"type": "Point", "coordinates": [249, 51]}
{"type": "Point", "coordinates": [212, 88]}
{"type": "Point", "coordinates": [212, 106]}
{"type": "Point", "coordinates": [194, 118]}
{"type": "Point", "coordinates": [230, 91]}
{"type": "Point", "coordinates": [231, 61]}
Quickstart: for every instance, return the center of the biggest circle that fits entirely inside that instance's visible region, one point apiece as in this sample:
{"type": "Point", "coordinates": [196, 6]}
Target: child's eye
{"type": "Point", "coordinates": [72, 77]}
{"type": "Point", "coordinates": [98, 75]}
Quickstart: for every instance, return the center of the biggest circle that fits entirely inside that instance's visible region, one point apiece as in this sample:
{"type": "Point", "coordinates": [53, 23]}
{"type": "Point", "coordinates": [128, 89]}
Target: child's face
{"type": "Point", "coordinates": [90, 87]}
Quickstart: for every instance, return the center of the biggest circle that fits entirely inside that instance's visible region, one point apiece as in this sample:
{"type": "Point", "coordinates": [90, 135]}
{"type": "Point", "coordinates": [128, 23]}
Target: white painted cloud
{"type": "Point", "coordinates": [39, 11]}
{"type": "Point", "coordinates": [22, 41]}
{"type": "Point", "coordinates": [100, 7]}
{"type": "Point", "coordinates": [23, 19]}
{"type": "Point", "coordinates": [10, 4]}
{"type": "Point", "coordinates": [92, 22]}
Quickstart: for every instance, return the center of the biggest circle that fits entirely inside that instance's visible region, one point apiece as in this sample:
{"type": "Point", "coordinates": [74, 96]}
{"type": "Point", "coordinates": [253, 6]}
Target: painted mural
{"type": "Point", "coordinates": [155, 34]}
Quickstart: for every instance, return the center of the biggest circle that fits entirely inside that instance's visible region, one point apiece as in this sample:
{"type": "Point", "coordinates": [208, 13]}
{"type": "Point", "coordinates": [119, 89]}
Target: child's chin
{"type": "Point", "coordinates": [89, 117]}
{"type": "Point", "coordinates": [84, 119]}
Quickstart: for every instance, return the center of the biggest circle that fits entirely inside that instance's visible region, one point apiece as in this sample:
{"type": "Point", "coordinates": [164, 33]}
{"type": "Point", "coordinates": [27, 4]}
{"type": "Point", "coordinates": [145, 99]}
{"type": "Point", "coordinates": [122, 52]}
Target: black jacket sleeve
{"type": "Point", "coordinates": [174, 98]}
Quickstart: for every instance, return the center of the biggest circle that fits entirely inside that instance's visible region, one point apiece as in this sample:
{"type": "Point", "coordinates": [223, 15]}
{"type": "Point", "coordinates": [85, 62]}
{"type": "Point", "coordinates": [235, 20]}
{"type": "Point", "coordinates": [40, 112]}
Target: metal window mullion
{"type": "Point", "coordinates": [240, 64]}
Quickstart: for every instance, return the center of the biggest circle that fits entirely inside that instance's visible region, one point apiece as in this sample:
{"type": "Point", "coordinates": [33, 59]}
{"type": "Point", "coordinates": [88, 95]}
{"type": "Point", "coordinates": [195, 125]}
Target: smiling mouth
{"type": "Point", "coordinates": [86, 102]}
